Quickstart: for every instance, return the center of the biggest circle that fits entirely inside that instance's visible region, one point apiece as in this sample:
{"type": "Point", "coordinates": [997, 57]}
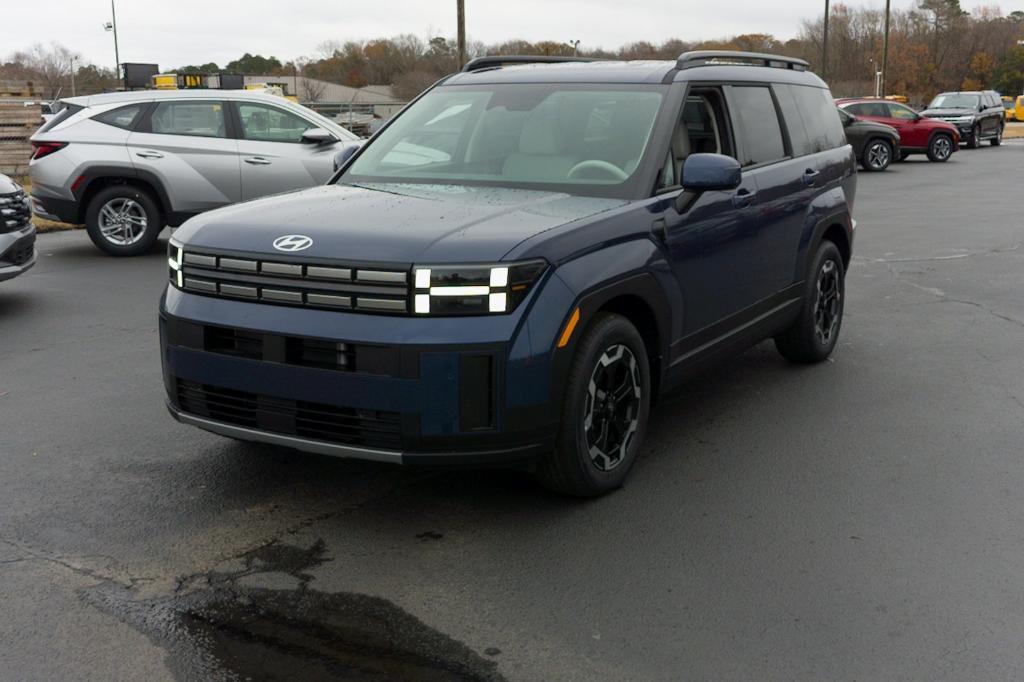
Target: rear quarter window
{"type": "Point", "coordinates": [824, 129]}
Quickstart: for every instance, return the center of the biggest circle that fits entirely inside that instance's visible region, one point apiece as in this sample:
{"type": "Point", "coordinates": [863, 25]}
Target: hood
{"type": "Point", "coordinates": [392, 223]}
{"type": "Point", "coordinates": [940, 113]}
{"type": "Point", "coordinates": [873, 126]}
{"type": "Point", "coordinates": [8, 186]}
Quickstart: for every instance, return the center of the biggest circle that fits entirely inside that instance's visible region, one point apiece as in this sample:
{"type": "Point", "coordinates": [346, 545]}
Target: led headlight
{"type": "Point", "coordinates": [473, 289]}
{"type": "Point", "coordinates": [174, 257]}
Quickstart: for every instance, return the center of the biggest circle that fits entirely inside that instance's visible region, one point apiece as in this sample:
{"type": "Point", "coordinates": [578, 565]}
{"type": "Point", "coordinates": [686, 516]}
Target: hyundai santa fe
{"type": "Point", "coordinates": [516, 266]}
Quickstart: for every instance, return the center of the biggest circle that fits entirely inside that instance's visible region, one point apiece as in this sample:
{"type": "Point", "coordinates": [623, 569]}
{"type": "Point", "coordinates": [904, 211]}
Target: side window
{"type": "Point", "coordinates": [822, 123]}
{"type": "Point", "coordinates": [702, 128]}
{"type": "Point", "coordinates": [759, 130]}
{"type": "Point", "coordinates": [202, 119]}
{"type": "Point", "coordinates": [799, 137]}
{"type": "Point", "coordinates": [901, 112]}
{"type": "Point", "coordinates": [122, 117]}
{"type": "Point", "coordinates": [270, 124]}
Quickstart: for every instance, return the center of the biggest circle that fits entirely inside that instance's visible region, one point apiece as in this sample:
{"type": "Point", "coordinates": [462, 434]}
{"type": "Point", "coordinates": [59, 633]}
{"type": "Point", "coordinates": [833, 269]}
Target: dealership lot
{"type": "Point", "coordinates": [854, 520]}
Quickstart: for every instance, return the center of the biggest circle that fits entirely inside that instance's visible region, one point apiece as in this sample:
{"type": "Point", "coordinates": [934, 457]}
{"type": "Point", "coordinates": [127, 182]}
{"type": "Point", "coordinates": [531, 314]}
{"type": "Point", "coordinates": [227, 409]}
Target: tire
{"type": "Point", "coordinates": [998, 139]}
{"type": "Point", "coordinates": [877, 156]}
{"type": "Point", "coordinates": [136, 207]}
{"type": "Point", "coordinates": [975, 138]}
{"type": "Point", "coordinates": [940, 148]}
{"type": "Point", "coordinates": [813, 336]}
{"type": "Point", "coordinates": [611, 348]}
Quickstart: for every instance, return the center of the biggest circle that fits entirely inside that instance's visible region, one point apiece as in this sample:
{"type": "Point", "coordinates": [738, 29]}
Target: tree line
{"type": "Point", "coordinates": [934, 45]}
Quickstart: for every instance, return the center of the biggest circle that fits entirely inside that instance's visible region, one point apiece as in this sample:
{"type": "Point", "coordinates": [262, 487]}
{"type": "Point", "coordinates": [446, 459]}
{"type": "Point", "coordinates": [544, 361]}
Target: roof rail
{"type": "Point", "coordinates": [690, 60]}
{"type": "Point", "coordinates": [497, 61]}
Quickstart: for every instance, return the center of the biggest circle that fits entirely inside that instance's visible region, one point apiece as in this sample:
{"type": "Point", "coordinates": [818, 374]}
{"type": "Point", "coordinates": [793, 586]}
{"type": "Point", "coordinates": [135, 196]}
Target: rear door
{"type": "Point", "coordinates": [185, 145]}
{"type": "Point", "coordinates": [274, 158]}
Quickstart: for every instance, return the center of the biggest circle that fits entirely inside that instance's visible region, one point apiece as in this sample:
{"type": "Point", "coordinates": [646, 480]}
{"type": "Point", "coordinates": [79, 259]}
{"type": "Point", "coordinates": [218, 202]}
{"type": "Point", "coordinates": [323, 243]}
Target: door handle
{"type": "Point", "coordinates": [149, 154]}
{"type": "Point", "coordinates": [257, 160]}
{"type": "Point", "coordinates": [810, 177]}
{"type": "Point", "coordinates": [743, 198]}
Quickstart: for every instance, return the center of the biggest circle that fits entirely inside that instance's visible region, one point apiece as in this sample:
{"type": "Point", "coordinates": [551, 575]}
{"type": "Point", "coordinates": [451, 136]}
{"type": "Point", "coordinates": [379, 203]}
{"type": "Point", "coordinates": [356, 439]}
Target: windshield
{"type": "Point", "coordinates": [559, 137]}
{"type": "Point", "coordinates": [955, 102]}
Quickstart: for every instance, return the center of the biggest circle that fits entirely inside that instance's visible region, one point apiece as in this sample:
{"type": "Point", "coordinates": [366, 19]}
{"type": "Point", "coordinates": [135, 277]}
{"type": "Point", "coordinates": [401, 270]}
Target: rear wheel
{"type": "Point", "coordinates": [998, 139]}
{"type": "Point", "coordinates": [877, 156]}
{"type": "Point", "coordinates": [940, 148]}
{"type": "Point", "coordinates": [814, 334]}
{"type": "Point", "coordinates": [123, 220]}
{"type": "Point", "coordinates": [604, 417]}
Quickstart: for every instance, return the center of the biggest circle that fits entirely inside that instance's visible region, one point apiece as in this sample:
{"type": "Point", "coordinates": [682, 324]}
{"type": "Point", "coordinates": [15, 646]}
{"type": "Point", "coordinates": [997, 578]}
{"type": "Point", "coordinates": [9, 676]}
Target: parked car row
{"type": "Point", "coordinates": [950, 119]}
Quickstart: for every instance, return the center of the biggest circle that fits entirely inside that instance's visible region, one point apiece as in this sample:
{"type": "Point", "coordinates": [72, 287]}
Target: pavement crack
{"type": "Point", "coordinates": [935, 259]}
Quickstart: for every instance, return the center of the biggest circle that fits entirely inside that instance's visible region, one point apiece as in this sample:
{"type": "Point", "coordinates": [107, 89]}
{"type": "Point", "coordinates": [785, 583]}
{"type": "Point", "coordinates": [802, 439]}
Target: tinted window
{"type": "Point", "coordinates": [799, 139]}
{"type": "Point", "coordinates": [204, 119]}
{"type": "Point", "coordinates": [759, 130]}
{"type": "Point", "coordinates": [122, 117]}
{"type": "Point", "coordinates": [876, 109]}
{"type": "Point", "coordinates": [901, 112]}
{"type": "Point", "coordinates": [270, 124]}
{"type": "Point", "coordinates": [824, 128]}
{"type": "Point", "coordinates": [64, 114]}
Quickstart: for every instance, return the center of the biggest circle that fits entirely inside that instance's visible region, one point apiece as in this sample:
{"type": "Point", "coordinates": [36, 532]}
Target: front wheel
{"type": "Point", "coordinates": [975, 138]}
{"type": "Point", "coordinates": [877, 156]}
{"type": "Point", "coordinates": [940, 148]}
{"type": "Point", "coordinates": [123, 220]}
{"type": "Point", "coordinates": [813, 336]}
{"type": "Point", "coordinates": [604, 417]}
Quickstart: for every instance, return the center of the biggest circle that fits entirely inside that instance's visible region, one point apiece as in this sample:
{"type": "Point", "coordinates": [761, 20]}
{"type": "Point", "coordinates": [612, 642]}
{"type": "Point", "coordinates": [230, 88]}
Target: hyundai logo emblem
{"type": "Point", "coordinates": [293, 242]}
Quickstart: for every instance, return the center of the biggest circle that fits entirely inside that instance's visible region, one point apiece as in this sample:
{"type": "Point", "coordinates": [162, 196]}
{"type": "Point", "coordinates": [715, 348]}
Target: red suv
{"type": "Point", "coordinates": [918, 135]}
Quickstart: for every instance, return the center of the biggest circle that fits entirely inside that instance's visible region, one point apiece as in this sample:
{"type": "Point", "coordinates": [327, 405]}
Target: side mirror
{"type": "Point", "coordinates": [318, 136]}
{"type": "Point", "coordinates": [344, 155]}
{"type": "Point", "coordinates": [711, 173]}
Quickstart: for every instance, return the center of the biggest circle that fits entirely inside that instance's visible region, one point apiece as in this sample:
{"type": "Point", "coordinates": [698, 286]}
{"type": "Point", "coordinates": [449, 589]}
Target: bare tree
{"type": "Point", "coordinates": [311, 90]}
{"type": "Point", "coordinates": [52, 65]}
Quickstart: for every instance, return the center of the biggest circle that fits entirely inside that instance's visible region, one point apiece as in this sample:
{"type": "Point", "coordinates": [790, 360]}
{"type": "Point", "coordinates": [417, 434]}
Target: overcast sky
{"type": "Point", "coordinates": [178, 32]}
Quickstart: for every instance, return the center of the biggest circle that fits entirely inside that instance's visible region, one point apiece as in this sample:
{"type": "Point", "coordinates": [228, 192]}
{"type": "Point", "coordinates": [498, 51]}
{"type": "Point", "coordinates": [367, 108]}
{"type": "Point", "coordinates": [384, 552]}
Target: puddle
{"type": "Point", "coordinates": [228, 631]}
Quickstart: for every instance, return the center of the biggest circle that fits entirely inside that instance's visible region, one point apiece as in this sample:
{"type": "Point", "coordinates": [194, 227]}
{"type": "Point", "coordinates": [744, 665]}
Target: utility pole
{"type": "Point", "coordinates": [461, 33]}
{"type": "Point", "coordinates": [885, 48]}
{"type": "Point", "coordinates": [72, 76]}
{"type": "Point", "coordinates": [112, 26]}
{"type": "Point", "coordinates": [824, 47]}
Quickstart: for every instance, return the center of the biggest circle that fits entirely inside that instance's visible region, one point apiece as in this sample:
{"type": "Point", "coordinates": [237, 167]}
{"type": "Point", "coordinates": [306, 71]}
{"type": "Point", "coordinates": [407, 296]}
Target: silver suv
{"type": "Point", "coordinates": [17, 233]}
{"type": "Point", "coordinates": [128, 163]}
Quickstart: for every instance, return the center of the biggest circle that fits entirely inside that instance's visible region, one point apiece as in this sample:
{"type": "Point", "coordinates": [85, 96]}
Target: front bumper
{"type": "Point", "coordinates": [17, 252]}
{"type": "Point", "coordinates": [437, 392]}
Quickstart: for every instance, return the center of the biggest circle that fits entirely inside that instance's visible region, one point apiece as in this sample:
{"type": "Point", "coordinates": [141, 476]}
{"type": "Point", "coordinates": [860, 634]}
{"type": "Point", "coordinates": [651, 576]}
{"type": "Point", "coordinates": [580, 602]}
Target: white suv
{"type": "Point", "coordinates": [128, 163]}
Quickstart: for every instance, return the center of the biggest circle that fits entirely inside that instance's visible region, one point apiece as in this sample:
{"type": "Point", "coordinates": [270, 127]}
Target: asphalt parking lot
{"type": "Point", "coordinates": [862, 519]}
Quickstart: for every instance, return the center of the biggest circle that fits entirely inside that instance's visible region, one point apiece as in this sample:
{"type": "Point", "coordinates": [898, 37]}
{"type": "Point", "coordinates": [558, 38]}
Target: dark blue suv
{"type": "Point", "coordinates": [514, 268]}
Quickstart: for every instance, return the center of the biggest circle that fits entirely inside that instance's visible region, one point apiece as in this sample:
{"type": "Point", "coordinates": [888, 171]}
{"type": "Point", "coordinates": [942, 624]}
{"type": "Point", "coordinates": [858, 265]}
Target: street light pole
{"type": "Point", "coordinates": [72, 76]}
{"type": "Point", "coordinates": [112, 26]}
{"type": "Point", "coordinates": [824, 46]}
{"type": "Point", "coordinates": [461, 8]}
{"type": "Point", "coordinates": [885, 48]}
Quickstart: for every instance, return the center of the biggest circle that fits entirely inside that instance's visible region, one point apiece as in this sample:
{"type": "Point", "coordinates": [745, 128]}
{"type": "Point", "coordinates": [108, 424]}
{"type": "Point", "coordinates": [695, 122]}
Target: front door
{"type": "Point", "coordinates": [274, 158]}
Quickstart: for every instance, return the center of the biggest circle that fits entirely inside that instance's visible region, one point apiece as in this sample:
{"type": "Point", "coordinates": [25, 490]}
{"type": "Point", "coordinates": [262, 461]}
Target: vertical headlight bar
{"type": "Point", "coordinates": [175, 255]}
{"type": "Point", "coordinates": [473, 289]}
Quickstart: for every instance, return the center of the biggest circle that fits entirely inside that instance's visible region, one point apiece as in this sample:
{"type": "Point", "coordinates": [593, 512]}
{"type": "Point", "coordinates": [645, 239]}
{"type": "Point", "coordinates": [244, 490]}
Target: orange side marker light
{"type": "Point", "coordinates": [570, 327]}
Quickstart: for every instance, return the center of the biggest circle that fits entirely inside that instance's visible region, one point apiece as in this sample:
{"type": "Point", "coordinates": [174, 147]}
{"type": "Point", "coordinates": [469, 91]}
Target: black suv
{"type": "Point", "coordinates": [978, 115]}
{"type": "Point", "coordinates": [512, 270]}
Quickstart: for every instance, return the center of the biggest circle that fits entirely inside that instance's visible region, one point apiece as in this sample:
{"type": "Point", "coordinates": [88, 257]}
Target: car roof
{"type": "Point", "coordinates": [150, 95]}
{"type": "Point", "coordinates": [635, 72]}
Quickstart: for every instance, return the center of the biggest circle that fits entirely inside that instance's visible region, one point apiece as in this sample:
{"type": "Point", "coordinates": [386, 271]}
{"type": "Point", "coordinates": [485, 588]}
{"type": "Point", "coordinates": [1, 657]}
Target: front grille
{"type": "Point", "coordinates": [15, 211]}
{"type": "Point", "coordinates": [20, 252]}
{"type": "Point", "coordinates": [311, 285]}
{"type": "Point", "coordinates": [342, 425]}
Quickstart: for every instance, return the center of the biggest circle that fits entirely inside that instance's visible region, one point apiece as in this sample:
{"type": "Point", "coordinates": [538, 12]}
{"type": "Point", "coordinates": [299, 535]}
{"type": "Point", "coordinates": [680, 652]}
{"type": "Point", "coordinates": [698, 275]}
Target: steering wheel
{"type": "Point", "coordinates": [597, 164]}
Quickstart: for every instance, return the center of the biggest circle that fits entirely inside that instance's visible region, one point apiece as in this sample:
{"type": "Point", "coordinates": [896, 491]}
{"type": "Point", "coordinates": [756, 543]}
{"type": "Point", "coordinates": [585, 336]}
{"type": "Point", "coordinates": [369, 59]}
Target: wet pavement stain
{"type": "Point", "coordinates": [227, 631]}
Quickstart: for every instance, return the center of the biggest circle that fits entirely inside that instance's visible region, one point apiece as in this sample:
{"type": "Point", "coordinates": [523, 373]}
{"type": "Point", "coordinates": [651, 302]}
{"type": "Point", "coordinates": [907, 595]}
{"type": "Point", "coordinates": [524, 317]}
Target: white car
{"type": "Point", "coordinates": [128, 163]}
{"type": "Point", "coordinates": [17, 233]}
